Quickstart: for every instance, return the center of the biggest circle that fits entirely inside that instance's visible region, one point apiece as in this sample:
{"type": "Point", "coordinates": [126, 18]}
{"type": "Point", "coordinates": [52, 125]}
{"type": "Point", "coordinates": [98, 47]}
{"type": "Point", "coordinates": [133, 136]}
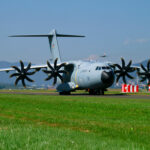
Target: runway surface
{"type": "Point", "coordinates": [81, 94]}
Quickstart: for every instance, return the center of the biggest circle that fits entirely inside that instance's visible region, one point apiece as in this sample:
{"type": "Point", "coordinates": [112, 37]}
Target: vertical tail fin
{"type": "Point", "coordinates": [54, 48]}
{"type": "Point", "coordinates": [52, 37]}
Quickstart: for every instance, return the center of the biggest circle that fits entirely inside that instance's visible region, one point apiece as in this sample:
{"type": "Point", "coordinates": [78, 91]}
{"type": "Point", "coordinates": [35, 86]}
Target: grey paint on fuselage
{"type": "Point", "coordinates": [85, 74]}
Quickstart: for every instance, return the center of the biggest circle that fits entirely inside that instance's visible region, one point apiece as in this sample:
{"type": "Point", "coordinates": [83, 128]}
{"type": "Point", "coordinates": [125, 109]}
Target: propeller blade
{"type": "Point", "coordinates": [143, 68]}
{"type": "Point", "coordinates": [49, 65]}
{"type": "Point", "coordinates": [55, 80]}
{"type": "Point", "coordinates": [14, 74]}
{"type": "Point", "coordinates": [118, 77]}
{"type": "Point", "coordinates": [16, 68]}
{"type": "Point", "coordinates": [30, 80]}
{"type": "Point", "coordinates": [61, 78]}
{"type": "Point", "coordinates": [123, 62]}
{"type": "Point", "coordinates": [129, 64]}
{"type": "Point", "coordinates": [55, 63]}
{"type": "Point", "coordinates": [28, 67]}
{"type": "Point", "coordinates": [124, 79]}
{"type": "Point", "coordinates": [17, 80]}
{"type": "Point", "coordinates": [23, 82]}
{"type": "Point", "coordinates": [22, 66]}
{"type": "Point", "coordinates": [117, 65]}
{"type": "Point", "coordinates": [117, 71]}
{"type": "Point", "coordinates": [129, 76]}
{"type": "Point", "coordinates": [49, 77]}
{"type": "Point", "coordinates": [47, 71]}
{"type": "Point", "coordinates": [62, 65]}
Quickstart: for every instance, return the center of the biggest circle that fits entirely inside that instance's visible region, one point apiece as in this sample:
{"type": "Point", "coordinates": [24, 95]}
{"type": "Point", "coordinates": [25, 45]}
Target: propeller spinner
{"type": "Point", "coordinates": [123, 70]}
{"type": "Point", "coordinates": [22, 73]}
{"type": "Point", "coordinates": [55, 71]}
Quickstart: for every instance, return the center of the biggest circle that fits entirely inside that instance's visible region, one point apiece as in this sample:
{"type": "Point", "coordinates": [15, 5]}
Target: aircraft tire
{"type": "Point", "coordinates": [91, 92]}
{"type": "Point", "coordinates": [96, 92]}
{"type": "Point", "coordinates": [101, 92]}
{"type": "Point", "coordinates": [64, 93]}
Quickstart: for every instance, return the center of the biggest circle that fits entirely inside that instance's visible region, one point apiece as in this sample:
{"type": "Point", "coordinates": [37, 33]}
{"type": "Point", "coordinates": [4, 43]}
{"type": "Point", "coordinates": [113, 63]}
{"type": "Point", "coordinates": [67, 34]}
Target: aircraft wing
{"type": "Point", "coordinates": [36, 67]}
{"type": "Point", "coordinates": [136, 67]}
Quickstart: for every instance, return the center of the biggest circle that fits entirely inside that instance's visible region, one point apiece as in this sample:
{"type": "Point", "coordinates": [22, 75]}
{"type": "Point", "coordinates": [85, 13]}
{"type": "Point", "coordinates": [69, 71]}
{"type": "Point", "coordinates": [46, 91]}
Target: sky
{"type": "Point", "coordinates": [119, 28]}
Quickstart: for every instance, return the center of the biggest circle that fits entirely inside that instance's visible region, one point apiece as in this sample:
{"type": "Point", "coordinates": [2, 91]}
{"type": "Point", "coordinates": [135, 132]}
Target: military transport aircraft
{"type": "Point", "coordinates": [95, 77]}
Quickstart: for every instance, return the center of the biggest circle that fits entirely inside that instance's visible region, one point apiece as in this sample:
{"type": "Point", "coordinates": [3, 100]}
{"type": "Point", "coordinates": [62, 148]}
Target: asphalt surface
{"type": "Point", "coordinates": [81, 94]}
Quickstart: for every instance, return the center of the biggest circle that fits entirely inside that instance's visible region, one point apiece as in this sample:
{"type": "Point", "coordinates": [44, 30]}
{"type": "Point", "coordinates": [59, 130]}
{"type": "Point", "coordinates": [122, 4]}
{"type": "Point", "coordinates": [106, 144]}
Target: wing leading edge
{"type": "Point", "coordinates": [36, 67]}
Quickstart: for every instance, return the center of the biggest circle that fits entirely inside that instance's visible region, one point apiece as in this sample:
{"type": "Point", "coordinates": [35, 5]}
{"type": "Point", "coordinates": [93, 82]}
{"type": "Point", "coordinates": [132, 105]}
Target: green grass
{"type": "Point", "coordinates": [73, 122]}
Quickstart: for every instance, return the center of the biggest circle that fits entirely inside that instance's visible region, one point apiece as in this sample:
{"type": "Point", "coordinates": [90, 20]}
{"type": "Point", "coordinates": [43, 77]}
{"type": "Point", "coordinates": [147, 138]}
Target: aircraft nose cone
{"type": "Point", "coordinates": [107, 78]}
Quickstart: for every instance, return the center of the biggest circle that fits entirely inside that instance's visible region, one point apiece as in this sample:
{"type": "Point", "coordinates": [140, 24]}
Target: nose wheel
{"type": "Point", "coordinates": [96, 92]}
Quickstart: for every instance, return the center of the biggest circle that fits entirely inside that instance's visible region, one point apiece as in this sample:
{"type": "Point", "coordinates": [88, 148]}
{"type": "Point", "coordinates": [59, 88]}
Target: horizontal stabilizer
{"type": "Point", "coordinates": [41, 35]}
{"type": "Point", "coordinates": [47, 35]}
{"type": "Point", "coordinates": [52, 37]}
{"type": "Point", "coordinates": [65, 35]}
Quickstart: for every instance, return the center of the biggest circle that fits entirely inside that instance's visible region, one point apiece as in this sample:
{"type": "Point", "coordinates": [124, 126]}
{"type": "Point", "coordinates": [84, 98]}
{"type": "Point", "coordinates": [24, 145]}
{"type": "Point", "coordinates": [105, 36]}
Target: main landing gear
{"type": "Point", "coordinates": [96, 91]}
{"type": "Point", "coordinates": [64, 93]}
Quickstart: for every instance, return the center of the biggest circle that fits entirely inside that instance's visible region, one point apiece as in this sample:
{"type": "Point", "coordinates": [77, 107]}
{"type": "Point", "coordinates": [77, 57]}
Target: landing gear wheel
{"type": "Point", "coordinates": [96, 92]}
{"type": "Point", "coordinates": [101, 92]}
{"type": "Point", "coordinates": [64, 93]}
{"type": "Point", "coordinates": [91, 92]}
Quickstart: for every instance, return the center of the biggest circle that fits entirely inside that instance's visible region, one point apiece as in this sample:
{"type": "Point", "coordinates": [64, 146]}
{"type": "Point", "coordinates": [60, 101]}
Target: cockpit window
{"type": "Point", "coordinates": [98, 68]}
{"type": "Point", "coordinates": [102, 68]}
{"type": "Point", "coordinates": [106, 67]}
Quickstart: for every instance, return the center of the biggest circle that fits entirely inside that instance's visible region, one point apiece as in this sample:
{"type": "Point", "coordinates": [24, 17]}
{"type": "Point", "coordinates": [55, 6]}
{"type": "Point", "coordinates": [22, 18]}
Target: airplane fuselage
{"type": "Point", "coordinates": [87, 75]}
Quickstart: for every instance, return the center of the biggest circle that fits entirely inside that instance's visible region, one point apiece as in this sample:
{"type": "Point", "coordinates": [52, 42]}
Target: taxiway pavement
{"type": "Point", "coordinates": [81, 94]}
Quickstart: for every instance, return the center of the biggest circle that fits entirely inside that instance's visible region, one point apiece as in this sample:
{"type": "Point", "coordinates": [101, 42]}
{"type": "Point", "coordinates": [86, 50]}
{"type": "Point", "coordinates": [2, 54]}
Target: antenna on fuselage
{"type": "Point", "coordinates": [103, 56]}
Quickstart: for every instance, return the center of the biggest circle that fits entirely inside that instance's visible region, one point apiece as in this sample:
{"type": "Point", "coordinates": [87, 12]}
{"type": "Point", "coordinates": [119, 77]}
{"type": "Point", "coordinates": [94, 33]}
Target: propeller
{"type": "Point", "coordinates": [145, 74]}
{"type": "Point", "coordinates": [123, 70]}
{"type": "Point", "coordinates": [55, 71]}
{"type": "Point", "coordinates": [22, 73]}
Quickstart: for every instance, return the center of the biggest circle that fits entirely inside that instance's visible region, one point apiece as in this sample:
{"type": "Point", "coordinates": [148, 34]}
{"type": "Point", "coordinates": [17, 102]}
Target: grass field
{"type": "Point", "coordinates": [73, 122]}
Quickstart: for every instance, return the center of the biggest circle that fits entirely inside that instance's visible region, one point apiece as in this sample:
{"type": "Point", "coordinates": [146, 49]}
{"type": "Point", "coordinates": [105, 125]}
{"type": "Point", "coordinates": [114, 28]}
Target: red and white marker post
{"type": "Point", "coordinates": [128, 88]}
{"type": "Point", "coordinates": [149, 88]}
